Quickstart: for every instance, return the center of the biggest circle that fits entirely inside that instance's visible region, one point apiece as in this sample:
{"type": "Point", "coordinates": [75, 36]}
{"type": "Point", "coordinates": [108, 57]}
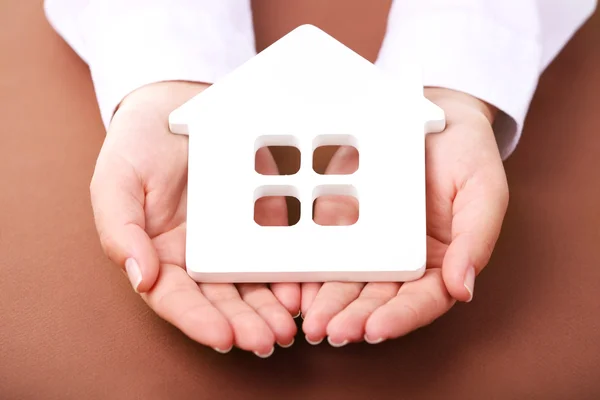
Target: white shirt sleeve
{"type": "Point", "coordinates": [130, 43]}
{"type": "Point", "coordinates": [494, 50]}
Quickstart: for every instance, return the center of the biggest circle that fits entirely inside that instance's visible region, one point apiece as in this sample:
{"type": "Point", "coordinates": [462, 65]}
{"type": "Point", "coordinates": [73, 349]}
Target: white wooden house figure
{"type": "Point", "coordinates": [307, 90]}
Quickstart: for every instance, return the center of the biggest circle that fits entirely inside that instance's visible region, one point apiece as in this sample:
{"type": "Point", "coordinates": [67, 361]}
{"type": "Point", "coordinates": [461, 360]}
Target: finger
{"type": "Point", "coordinates": [288, 295]}
{"type": "Point", "coordinates": [331, 299]}
{"type": "Point", "coordinates": [250, 331]}
{"type": "Point", "coordinates": [344, 161]}
{"type": "Point", "coordinates": [435, 252]}
{"type": "Point", "coordinates": [265, 163]}
{"type": "Point", "coordinates": [166, 202]}
{"type": "Point", "coordinates": [178, 300]}
{"type": "Point", "coordinates": [170, 246]}
{"type": "Point", "coordinates": [478, 212]}
{"type": "Point", "coordinates": [309, 293]}
{"type": "Point", "coordinates": [266, 305]}
{"type": "Point", "coordinates": [349, 325]}
{"type": "Point", "coordinates": [336, 210]}
{"type": "Point", "coordinates": [117, 196]}
{"type": "Point", "coordinates": [272, 211]}
{"type": "Point", "coordinates": [418, 303]}
{"type": "Point", "coordinates": [339, 210]}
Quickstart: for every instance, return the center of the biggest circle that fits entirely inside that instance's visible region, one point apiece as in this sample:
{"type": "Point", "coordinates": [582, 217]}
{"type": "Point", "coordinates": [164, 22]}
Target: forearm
{"type": "Point", "coordinates": [442, 96]}
{"type": "Point", "coordinates": [494, 51]}
{"type": "Point", "coordinates": [131, 43]}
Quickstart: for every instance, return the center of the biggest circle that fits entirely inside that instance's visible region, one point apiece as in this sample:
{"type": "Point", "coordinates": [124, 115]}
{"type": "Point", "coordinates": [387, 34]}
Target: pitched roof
{"type": "Point", "coordinates": [306, 71]}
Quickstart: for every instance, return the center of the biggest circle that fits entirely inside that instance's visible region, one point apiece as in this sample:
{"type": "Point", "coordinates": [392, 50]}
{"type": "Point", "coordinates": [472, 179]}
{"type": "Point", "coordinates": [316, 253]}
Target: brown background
{"type": "Point", "coordinates": [71, 328]}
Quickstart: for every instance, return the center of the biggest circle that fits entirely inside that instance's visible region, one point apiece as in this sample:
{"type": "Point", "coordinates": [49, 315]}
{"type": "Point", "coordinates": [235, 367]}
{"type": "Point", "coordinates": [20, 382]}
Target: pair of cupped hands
{"type": "Point", "coordinates": [138, 193]}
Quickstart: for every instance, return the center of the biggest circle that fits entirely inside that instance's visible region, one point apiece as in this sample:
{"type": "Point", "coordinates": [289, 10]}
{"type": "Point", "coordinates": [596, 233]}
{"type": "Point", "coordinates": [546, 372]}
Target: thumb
{"type": "Point", "coordinates": [118, 203]}
{"type": "Point", "coordinates": [335, 209]}
{"type": "Point", "coordinates": [478, 212]}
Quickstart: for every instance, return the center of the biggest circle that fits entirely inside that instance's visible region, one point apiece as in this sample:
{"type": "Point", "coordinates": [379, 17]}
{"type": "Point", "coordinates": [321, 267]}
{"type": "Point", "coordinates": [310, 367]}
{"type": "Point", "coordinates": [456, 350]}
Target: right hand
{"type": "Point", "coordinates": [139, 200]}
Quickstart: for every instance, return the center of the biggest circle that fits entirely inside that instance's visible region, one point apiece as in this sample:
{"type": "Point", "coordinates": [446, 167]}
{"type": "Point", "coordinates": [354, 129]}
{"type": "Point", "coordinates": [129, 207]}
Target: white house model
{"type": "Point", "coordinates": [307, 90]}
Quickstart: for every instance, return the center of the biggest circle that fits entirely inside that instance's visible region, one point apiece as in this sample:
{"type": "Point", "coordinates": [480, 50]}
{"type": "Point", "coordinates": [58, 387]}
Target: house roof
{"type": "Point", "coordinates": [306, 72]}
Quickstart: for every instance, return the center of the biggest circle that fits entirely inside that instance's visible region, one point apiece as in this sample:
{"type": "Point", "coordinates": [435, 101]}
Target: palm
{"type": "Point", "coordinates": [151, 163]}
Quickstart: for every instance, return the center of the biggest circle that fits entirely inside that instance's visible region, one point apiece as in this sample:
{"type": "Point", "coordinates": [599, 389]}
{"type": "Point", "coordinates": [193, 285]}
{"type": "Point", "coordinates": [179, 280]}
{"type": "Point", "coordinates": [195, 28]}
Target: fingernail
{"type": "Point", "coordinates": [333, 344]}
{"type": "Point", "coordinates": [376, 341]}
{"type": "Point", "coordinates": [314, 343]}
{"type": "Point", "coordinates": [470, 282]}
{"type": "Point", "coordinates": [301, 315]}
{"type": "Point", "coordinates": [222, 351]}
{"type": "Point", "coordinates": [297, 315]}
{"type": "Point", "coordinates": [285, 346]}
{"type": "Point", "coordinates": [267, 355]}
{"type": "Point", "coordinates": [134, 273]}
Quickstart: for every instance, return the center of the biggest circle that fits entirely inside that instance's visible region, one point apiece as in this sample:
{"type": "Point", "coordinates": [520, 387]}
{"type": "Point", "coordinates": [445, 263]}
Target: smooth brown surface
{"type": "Point", "coordinates": [71, 327]}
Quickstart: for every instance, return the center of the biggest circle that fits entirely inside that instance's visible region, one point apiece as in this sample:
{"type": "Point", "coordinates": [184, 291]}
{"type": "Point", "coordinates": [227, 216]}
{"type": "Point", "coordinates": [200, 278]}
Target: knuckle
{"type": "Point", "coordinates": [412, 315]}
{"type": "Point", "coordinates": [242, 317]}
{"type": "Point", "coordinates": [268, 308]}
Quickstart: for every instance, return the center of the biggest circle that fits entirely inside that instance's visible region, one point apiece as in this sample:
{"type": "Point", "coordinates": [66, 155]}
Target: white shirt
{"type": "Point", "coordinates": [492, 49]}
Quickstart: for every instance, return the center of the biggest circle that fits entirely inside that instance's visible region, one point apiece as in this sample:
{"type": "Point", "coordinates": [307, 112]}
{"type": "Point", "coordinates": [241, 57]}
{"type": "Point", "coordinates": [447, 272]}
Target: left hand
{"type": "Point", "coordinates": [467, 197]}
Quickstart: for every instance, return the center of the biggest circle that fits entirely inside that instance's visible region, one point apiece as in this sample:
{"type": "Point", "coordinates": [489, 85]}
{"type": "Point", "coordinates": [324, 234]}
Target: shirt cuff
{"type": "Point", "coordinates": [473, 53]}
{"type": "Point", "coordinates": [157, 42]}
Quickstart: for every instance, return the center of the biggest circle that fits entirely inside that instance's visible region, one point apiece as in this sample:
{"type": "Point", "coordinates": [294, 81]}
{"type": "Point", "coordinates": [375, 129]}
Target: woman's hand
{"type": "Point", "coordinates": [139, 199]}
{"type": "Point", "coordinates": [467, 197]}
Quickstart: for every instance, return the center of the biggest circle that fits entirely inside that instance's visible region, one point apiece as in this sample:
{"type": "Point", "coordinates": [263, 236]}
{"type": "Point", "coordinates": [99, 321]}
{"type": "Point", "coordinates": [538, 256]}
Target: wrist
{"type": "Point", "coordinates": [446, 98]}
{"type": "Point", "coordinates": [161, 97]}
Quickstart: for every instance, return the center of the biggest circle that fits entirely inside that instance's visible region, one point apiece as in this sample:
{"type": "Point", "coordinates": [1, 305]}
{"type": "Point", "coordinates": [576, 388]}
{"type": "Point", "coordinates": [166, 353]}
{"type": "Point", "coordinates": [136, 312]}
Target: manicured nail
{"type": "Point", "coordinates": [470, 282]}
{"type": "Point", "coordinates": [222, 351]}
{"type": "Point", "coordinates": [376, 341]}
{"type": "Point", "coordinates": [314, 343]}
{"type": "Point", "coordinates": [333, 344]}
{"type": "Point", "coordinates": [285, 346]}
{"type": "Point", "coordinates": [134, 273]}
{"type": "Point", "coordinates": [267, 355]}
